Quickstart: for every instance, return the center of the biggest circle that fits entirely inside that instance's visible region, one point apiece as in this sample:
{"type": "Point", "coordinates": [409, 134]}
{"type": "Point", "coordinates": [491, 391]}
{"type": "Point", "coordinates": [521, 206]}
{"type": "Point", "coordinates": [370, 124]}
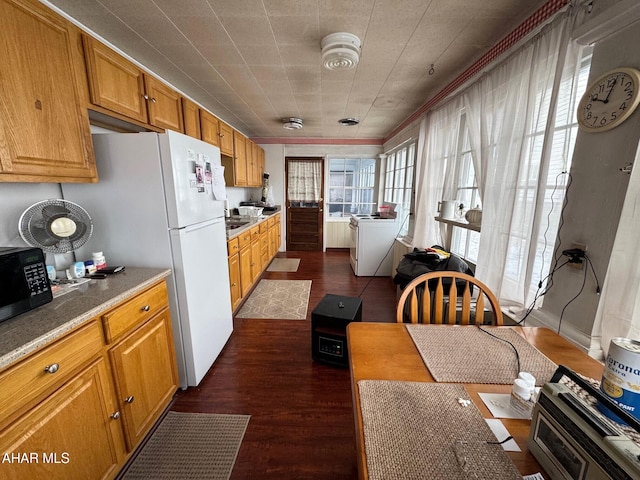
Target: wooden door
{"type": "Point", "coordinates": [304, 204]}
{"type": "Point", "coordinates": [226, 138]}
{"type": "Point", "coordinates": [209, 128]}
{"type": "Point", "coordinates": [234, 280]}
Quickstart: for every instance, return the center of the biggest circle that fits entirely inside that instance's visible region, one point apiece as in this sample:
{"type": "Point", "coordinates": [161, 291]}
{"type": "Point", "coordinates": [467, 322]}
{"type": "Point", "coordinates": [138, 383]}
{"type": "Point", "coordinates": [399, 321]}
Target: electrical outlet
{"type": "Point", "coordinates": [578, 246]}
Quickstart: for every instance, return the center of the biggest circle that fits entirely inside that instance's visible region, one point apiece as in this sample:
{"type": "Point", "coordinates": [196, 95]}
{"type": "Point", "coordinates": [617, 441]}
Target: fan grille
{"type": "Point", "coordinates": [39, 226]}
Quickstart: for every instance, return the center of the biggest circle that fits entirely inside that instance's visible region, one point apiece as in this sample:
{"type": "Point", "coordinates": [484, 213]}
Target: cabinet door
{"type": "Point", "coordinates": [226, 139]}
{"type": "Point", "coordinates": [146, 378]}
{"type": "Point", "coordinates": [246, 278]}
{"type": "Point", "coordinates": [234, 280]}
{"type": "Point", "coordinates": [114, 82]}
{"type": "Point", "coordinates": [74, 433]}
{"type": "Point", "coordinates": [164, 105]}
{"type": "Point", "coordinates": [240, 159]}
{"type": "Point", "coordinates": [44, 124]}
{"type": "Point", "coordinates": [209, 128]}
{"type": "Point", "coordinates": [191, 116]}
{"type": "Point", "coordinates": [256, 260]}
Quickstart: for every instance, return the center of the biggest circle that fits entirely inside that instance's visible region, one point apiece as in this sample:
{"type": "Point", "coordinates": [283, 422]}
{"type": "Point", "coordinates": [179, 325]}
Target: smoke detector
{"type": "Point", "coordinates": [340, 51]}
{"type": "Point", "coordinates": [292, 123]}
{"type": "Point", "coordinates": [349, 122]}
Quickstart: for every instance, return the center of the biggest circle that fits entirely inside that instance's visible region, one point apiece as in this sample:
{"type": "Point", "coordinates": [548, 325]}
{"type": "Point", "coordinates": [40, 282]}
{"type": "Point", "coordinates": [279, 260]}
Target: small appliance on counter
{"type": "Point", "coordinates": [24, 283]}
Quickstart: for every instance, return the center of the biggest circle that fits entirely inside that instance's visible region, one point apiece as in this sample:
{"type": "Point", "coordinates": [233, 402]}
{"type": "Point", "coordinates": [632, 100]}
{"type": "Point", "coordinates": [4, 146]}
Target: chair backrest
{"type": "Point", "coordinates": [426, 299]}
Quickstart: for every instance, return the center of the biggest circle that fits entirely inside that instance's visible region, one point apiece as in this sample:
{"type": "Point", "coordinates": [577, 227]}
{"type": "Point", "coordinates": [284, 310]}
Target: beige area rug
{"type": "Point", "coordinates": [421, 430]}
{"type": "Point", "coordinates": [278, 299]}
{"type": "Point", "coordinates": [284, 265]}
{"type": "Point", "coordinates": [190, 446]}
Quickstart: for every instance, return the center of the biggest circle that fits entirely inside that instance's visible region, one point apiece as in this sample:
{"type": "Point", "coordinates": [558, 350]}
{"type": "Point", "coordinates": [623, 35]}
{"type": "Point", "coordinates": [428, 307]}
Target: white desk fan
{"type": "Point", "coordinates": [58, 227]}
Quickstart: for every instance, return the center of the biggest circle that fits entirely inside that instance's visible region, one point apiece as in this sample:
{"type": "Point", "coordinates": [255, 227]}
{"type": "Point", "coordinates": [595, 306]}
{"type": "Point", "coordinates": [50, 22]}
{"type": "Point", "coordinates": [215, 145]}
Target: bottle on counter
{"type": "Point", "coordinates": [89, 267]}
{"type": "Point", "coordinates": [99, 261]}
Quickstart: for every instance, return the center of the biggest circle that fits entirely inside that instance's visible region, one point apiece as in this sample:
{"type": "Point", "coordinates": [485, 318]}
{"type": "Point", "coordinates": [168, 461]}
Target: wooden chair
{"type": "Point", "coordinates": [426, 299]}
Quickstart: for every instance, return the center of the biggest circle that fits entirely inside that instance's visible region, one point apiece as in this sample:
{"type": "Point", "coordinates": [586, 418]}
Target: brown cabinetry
{"type": "Point", "coordinates": [44, 126]}
{"type": "Point", "coordinates": [121, 87]}
{"type": "Point", "coordinates": [59, 404]}
{"type": "Point", "coordinates": [143, 360]}
{"type": "Point", "coordinates": [234, 279]}
{"type": "Point", "coordinates": [226, 138]}
{"type": "Point", "coordinates": [191, 117]}
{"type": "Point", "coordinates": [209, 128]}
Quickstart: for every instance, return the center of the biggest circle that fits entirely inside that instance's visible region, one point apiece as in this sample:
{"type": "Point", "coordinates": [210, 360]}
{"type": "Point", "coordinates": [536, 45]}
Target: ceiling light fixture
{"type": "Point", "coordinates": [292, 123]}
{"type": "Point", "coordinates": [340, 51]}
{"type": "Point", "coordinates": [349, 122]}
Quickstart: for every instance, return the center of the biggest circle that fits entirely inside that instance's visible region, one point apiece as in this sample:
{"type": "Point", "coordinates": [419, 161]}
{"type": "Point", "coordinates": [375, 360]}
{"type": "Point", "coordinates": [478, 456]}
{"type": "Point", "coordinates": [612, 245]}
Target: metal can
{"type": "Point", "coordinates": [621, 377]}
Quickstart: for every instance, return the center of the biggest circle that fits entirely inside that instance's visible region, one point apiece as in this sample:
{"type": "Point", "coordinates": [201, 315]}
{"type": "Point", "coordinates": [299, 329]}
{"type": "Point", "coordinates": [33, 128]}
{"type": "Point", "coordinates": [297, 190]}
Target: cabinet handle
{"type": "Point", "coordinates": [115, 415]}
{"type": "Point", "coordinates": [129, 399]}
{"type": "Point", "coordinates": [145, 96]}
{"type": "Point", "coordinates": [221, 135]}
{"type": "Point", "coordinates": [53, 368]}
{"type": "Point", "coordinates": [146, 308]}
{"type": "Point", "coordinates": [234, 284]}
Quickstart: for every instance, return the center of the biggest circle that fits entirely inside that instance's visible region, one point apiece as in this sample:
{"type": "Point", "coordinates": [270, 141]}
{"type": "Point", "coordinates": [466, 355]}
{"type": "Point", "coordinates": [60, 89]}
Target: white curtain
{"type": "Point", "coordinates": [510, 115]}
{"type": "Point", "coordinates": [619, 307]}
{"type": "Point", "coordinates": [304, 180]}
{"type": "Point", "coordinates": [434, 171]}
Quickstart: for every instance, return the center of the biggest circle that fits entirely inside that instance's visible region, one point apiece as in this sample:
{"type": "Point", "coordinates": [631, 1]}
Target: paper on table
{"type": "Point", "coordinates": [501, 432]}
{"type": "Point", "coordinates": [499, 405]}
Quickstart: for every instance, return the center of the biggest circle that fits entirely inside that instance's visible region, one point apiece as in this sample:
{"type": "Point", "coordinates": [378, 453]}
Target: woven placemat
{"type": "Point", "coordinates": [418, 430]}
{"type": "Point", "coordinates": [468, 354]}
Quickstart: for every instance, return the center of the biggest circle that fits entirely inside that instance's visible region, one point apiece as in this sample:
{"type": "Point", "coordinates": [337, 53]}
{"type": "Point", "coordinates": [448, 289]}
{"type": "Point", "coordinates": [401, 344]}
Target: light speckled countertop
{"type": "Point", "coordinates": [251, 221]}
{"type": "Point", "coordinates": [29, 331]}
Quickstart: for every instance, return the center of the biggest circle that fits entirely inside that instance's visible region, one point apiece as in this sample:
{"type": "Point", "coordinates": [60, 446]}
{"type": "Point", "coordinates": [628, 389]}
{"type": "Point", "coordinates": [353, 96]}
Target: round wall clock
{"type": "Point", "coordinates": [609, 100]}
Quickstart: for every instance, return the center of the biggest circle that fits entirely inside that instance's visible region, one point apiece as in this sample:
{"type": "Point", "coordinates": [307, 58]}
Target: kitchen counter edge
{"type": "Point", "coordinates": [251, 222]}
{"type": "Point", "coordinates": [26, 333]}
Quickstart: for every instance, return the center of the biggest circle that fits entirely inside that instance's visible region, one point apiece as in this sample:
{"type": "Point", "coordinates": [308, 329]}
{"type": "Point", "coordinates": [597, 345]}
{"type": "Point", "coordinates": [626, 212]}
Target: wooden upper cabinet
{"type": "Point", "coordinates": [209, 128]}
{"type": "Point", "coordinates": [120, 86]}
{"type": "Point", "coordinates": [191, 116]}
{"type": "Point", "coordinates": [164, 105]}
{"type": "Point", "coordinates": [44, 125]}
{"type": "Point", "coordinates": [114, 82]}
{"type": "Point", "coordinates": [226, 138]}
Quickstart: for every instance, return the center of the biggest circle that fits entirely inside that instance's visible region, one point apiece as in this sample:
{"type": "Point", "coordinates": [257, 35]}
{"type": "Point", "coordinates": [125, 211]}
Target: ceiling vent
{"type": "Point", "coordinates": [340, 51]}
{"type": "Point", "coordinates": [349, 122]}
{"type": "Point", "coordinates": [292, 123]}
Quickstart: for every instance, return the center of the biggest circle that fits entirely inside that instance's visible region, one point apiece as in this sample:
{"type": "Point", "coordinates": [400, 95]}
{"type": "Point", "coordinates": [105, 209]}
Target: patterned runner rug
{"type": "Point", "coordinates": [190, 446]}
{"type": "Point", "coordinates": [278, 299]}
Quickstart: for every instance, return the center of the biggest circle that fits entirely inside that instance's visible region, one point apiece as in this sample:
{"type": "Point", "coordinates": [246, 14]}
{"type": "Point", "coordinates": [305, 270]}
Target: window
{"type": "Point", "coordinates": [398, 179]}
{"type": "Point", "coordinates": [351, 186]}
{"type": "Point", "coordinates": [465, 242]}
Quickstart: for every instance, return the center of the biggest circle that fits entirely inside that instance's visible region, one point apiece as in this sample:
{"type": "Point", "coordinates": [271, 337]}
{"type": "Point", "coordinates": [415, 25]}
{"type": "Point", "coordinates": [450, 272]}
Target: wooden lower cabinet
{"type": "Point", "coordinates": [249, 254]}
{"type": "Point", "coordinates": [78, 408]}
{"type": "Point", "coordinates": [145, 375]}
{"type": "Point", "coordinates": [74, 433]}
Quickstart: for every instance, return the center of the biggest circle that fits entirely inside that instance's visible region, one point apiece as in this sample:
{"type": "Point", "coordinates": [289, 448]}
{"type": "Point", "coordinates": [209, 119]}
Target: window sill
{"type": "Point", "coordinates": [458, 223]}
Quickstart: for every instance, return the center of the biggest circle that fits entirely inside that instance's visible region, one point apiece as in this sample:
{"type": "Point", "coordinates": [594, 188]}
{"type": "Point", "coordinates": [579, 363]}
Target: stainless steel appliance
{"type": "Point", "coordinates": [371, 244]}
{"type": "Point", "coordinates": [155, 207]}
{"type": "Point", "coordinates": [24, 284]}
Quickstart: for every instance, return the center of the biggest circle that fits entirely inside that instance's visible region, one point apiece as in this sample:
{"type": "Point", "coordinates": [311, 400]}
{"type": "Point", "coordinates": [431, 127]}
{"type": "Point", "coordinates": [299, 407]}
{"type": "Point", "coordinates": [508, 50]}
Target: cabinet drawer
{"type": "Point", "coordinates": [232, 246]}
{"type": "Point", "coordinates": [271, 221]}
{"type": "Point", "coordinates": [28, 380]}
{"type": "Point", "coordinates": [264, 226]}
{"type": "Point", "coordinates": [134, 312]}
{"type": "Point", "coordinates": [255, 233]}
{"type": "Point", "coordinates": [244, 239]}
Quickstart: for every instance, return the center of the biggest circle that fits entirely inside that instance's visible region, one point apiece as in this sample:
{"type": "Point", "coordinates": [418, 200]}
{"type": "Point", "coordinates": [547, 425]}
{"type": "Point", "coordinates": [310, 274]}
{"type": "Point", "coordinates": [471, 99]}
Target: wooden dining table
{"type": "Point", "coordinates": [386, 351]}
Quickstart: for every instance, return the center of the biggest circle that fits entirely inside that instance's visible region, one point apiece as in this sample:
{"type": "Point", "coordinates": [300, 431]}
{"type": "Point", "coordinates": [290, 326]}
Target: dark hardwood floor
{"type": "Point", "coordinates": [301, 423]}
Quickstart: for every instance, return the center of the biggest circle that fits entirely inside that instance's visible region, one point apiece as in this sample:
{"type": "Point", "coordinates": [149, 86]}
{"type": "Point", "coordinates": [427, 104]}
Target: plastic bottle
{"type": "Point", "coordinates": [520, 400]}
{"type": "Point", "coordinates": [98, 260]}
{"type": "Point", "coordinates": [89, 267]}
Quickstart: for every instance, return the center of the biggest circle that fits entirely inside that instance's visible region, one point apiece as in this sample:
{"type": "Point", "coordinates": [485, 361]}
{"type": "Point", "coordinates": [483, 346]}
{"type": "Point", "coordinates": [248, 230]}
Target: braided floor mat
{"type": "Point", "coordinates": [467, 354]}
{"type": "Point", "coordinates": [416, 430]}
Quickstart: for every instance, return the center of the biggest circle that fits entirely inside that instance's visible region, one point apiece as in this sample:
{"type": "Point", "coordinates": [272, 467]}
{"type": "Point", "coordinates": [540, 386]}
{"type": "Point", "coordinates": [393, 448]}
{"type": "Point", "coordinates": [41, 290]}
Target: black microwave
{"type": "Point", "coordinates": [24, 284]}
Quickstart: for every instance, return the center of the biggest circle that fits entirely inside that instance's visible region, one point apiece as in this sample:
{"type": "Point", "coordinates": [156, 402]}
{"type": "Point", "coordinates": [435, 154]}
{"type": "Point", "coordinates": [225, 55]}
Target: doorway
{"type": "Point", "coordinates": [304, 203]}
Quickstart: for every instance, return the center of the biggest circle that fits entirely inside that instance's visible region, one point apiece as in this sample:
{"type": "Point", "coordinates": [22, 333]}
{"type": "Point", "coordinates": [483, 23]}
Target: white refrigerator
{"type": "Point", "coordinates": [154, 206]}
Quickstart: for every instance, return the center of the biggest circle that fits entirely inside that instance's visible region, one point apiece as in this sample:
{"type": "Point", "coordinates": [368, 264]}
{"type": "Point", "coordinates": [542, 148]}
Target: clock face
{"type": "Point", "coordinates": [610, 100]}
